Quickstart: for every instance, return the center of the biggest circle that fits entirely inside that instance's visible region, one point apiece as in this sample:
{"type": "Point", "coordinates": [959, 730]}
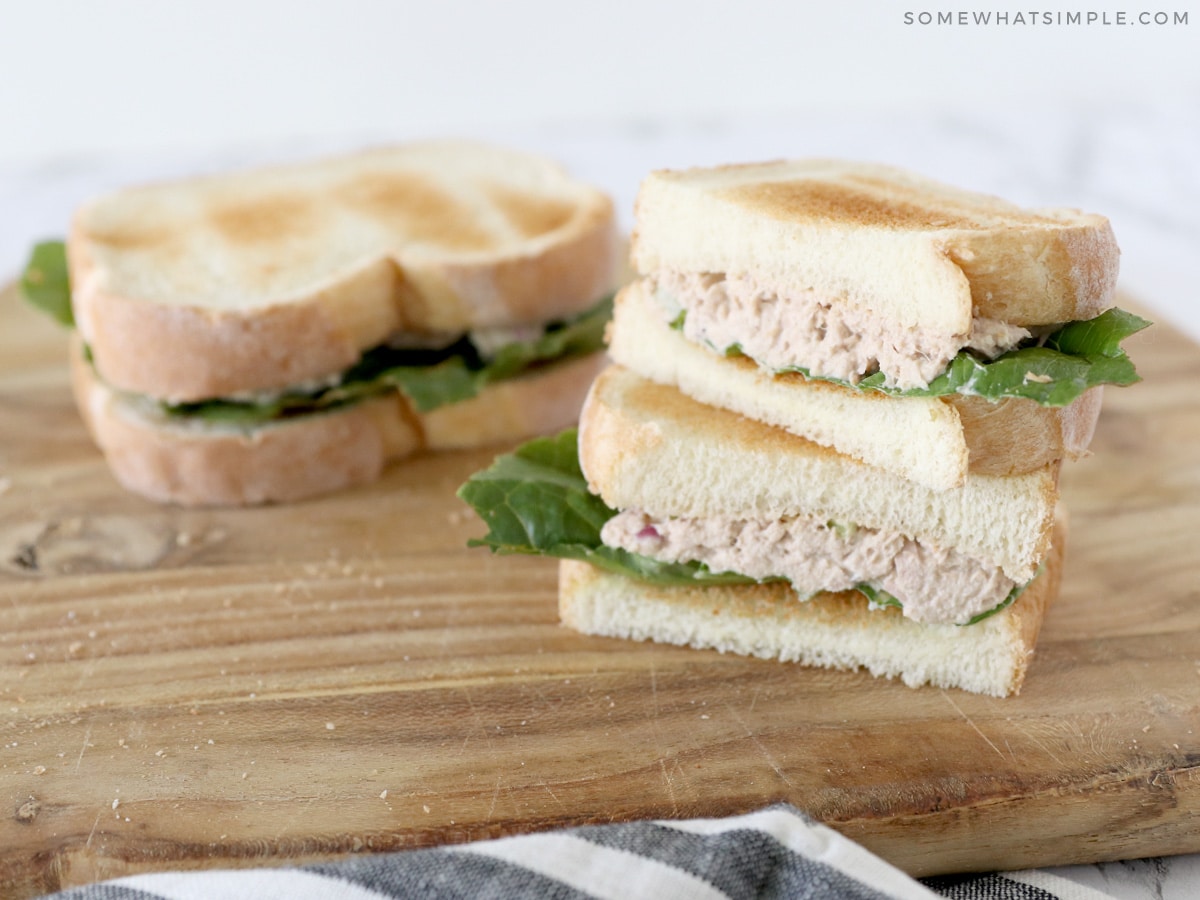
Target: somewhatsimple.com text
{"type": "Point", "coordinates": [1043, 17]}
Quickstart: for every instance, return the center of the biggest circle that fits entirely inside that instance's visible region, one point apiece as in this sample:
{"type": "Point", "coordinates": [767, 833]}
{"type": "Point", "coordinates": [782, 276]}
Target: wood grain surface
{"type": "Point", "coordinates": [214, 688]}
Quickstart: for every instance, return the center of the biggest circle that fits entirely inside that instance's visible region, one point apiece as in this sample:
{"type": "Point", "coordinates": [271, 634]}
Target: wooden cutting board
{"type": "Point", "coordinates": [203, 688]}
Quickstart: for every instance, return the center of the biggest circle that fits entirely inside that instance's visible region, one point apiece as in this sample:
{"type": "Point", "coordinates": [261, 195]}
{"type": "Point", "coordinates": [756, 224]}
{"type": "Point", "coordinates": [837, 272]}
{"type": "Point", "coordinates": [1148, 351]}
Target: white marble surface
{"type": "Point", "coordinates": [1137, 164]}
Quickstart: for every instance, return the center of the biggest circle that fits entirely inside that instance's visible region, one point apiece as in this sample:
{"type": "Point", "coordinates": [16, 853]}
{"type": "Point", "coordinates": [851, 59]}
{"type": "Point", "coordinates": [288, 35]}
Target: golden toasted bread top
{"type": "Point", "coordinates": [916, 252]}
{"type": "Point", "coordinates": [279, 234]}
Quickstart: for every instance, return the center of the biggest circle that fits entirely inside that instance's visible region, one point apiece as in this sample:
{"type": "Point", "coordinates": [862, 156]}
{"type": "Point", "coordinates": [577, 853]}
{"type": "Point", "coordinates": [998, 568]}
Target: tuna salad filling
{"type": "Point", "coordinates": [806, 330]}
{"type": "Point", "coordinates": [932, 584]}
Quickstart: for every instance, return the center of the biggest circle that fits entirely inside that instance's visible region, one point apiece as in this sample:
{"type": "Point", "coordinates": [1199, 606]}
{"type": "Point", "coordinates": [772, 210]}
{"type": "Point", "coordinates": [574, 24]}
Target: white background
{"type": "Point", "coordinates": [95, 95]}
{"type": "Point", "coordinates": [135, 75]}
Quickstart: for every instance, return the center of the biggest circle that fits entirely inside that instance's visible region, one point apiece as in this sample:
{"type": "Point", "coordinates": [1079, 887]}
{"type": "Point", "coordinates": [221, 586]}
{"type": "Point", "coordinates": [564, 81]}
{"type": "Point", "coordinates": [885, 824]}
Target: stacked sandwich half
{"type": "Point", "coordinates": [833, 430]}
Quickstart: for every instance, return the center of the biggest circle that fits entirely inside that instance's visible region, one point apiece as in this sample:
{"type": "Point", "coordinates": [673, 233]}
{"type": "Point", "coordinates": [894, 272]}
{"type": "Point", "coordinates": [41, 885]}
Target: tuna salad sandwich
{"type": "Point", "coordinates": [753, 473]}
{"type": "Point", "coordinates": [273, 334]}
{"type": "Point", "coordinates": [809, 293]}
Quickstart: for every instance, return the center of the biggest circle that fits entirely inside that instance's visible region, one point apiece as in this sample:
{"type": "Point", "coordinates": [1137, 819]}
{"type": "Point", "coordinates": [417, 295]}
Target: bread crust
{"type": "Point", "coordinates": [837, 631]}
{"type": "Point", "coordinates": [195, 465]}
{"type": "Point", "coordinates": [1016, 436]}
{"type": "Point", "coordinates": [551, 252]}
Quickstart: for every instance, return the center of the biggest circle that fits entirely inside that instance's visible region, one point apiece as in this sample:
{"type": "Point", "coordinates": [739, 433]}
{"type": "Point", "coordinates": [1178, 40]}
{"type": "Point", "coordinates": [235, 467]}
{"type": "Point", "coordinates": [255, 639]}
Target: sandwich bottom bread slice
{"type": "Point", "coordinates": [829, 630]}
{"type": "Point", "coordinates": [196, 462]}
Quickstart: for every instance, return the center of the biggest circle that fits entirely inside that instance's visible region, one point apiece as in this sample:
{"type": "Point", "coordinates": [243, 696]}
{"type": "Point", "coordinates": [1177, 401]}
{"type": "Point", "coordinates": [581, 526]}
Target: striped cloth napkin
{"type": "Point", "coordinates": [777, 852]}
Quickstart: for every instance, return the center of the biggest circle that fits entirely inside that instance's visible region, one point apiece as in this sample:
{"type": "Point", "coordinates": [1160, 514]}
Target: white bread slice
{"type": "Point", "coordinates": [646, 446]}
{"type": "Point", "coordinates": [915, 252]}
{"type": "Point", "coordinates": [932, 441]}
{"type": "Point", "coordinates": [836, 631]}
{"type": "Point", "coordinates": [266, 278]}
{"type": "Point", "coordinates": [206, 465]}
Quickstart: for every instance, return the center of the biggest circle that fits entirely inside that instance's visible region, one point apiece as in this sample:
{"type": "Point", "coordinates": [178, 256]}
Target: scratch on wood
{"type": "Point", "coordinates": [91, 833]}
{"type": "Point", "coordinates": [87, 733]}
{"type": "Point", "coordinates": [536, 690]}
{"type": "Point", "coordinates": [655, 721]}
{"type": "Point", "coordinates": [760, 746]}
{"type": "Point", "coordinates": [288, 824]}
{"type": "Point", "coordinates": [86, 674]}
{"type": "Point", "coordinates": [495, 796]}
{"type": "Point", "coordinates": [1045, 748]}
{"type": "Point", "coordinates": [546, 787]}
{"type": "Point", "coordinates": [476, 718]}
{"type": "Point", "coordinates": [967, 719]}
{"type": "Point", "coordinates": [662, 764]}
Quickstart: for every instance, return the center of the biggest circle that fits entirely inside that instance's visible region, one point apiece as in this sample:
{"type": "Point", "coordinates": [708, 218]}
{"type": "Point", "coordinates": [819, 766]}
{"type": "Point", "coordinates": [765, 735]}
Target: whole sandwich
{"type": "Point", "coordinates": [840, 402]}
{"type": "Point", "coordinates": [273, 334]}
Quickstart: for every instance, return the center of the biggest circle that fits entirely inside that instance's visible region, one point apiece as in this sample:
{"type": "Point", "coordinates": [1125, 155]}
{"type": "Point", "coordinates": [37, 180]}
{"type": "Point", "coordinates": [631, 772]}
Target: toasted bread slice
{"type": "Point", "coordinates": [914, 252]}
{"type": "Point", "coordinates": [836, 631]}
{"type": "Point", "coordinates": [191, 464]}
{"type": "Point", "coordinates": [267, 278]}
{"type": "Point", "coordinates": [933, 441]}
{"type": "Point", "coordinates": [646, 446]}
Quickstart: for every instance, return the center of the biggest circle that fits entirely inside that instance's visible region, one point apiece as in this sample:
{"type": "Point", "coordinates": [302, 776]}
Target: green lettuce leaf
{"type": "Point", "coordinates": [536, 501]}
{"type": "Point", "coordinates": [46, 284]}
{"type": "Point", "coordinates": [429, 378]}
{"type": "Point", "coordinates": [1052, 371]}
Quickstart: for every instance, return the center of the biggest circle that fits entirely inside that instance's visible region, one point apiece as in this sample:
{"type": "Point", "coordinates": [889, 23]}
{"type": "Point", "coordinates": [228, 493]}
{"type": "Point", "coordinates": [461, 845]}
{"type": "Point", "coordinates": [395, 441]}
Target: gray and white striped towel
{"type": "Point", "coordinates": [774, 853]}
